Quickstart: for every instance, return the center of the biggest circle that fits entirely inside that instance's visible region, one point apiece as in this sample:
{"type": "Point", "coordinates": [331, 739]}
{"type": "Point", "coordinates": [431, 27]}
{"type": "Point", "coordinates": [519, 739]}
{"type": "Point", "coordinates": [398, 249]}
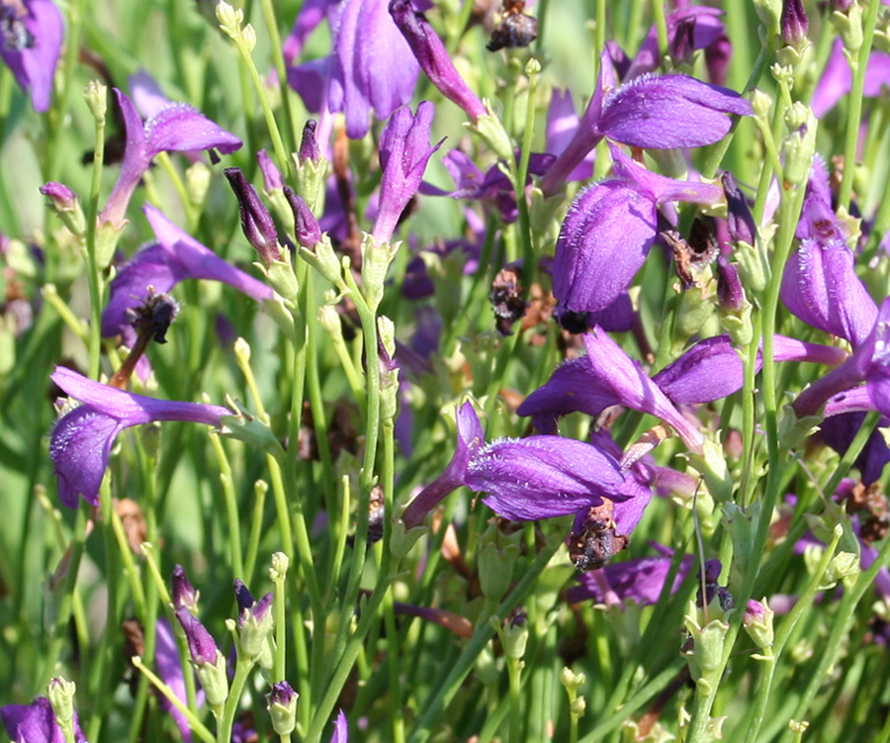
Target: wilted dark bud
{"type": "Point", "coordinates": [506, 299]}
{"type": "Point", "coordinates": [256, 222]}
{"type": "Point", "coordinates": [729, 287]}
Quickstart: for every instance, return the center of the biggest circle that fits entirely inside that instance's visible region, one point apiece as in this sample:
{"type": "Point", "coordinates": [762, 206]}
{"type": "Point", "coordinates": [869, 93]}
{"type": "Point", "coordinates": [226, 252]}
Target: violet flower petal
{"type": "Point", "coordinates": [640, 580]}
{"type": "Point", "coordinates": [341, 729]}
{"type": "Point", "coordinates": [574, 386]}
{"type": "Point", "coordinates": [434, 59]}
{"type": "Point", "coordinates": [170, 670]}
{"type": "Point", "coordinates": [604, 240]}
{"type": "Point", "coordinates": [81, 441]}
{"type": "Point", "coordinates": [670, 111]}
{"type": "Point", "coordinates": [546, 476]}
{"type": "Point", "coordinates": [633, 387]}
{"type": "Point", "coordinates": [821, 288]}
{"type": "Point", "coordinates": [367, 42]}
{"type": "Point", "coordinates": [36, 723]}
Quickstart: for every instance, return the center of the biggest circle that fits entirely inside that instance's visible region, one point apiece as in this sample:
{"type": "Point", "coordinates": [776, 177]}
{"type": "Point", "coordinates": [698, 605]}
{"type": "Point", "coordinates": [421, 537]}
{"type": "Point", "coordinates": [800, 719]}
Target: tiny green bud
{"type": "Point", "coordinates": [281, 277]}
{"type": "Point", "coordinates": [762, 103]}
{"type": "Point", "coordinates": [571, 680]}
{"type": "Point", "coordinates": [578, 707]}
{"type": "Point", "coordinates": [490, 128]}
{"type": "Point", "coordinates": [515, 635]}
{"type": "Point", "coordinates": [96, 96]}
{"type": "Point", "coordinates": [281, 703]}
{"type": "Point", "coordinates": [61, 697]}
{"type": "Point", "coordinates": [197, 183]}
{"type": "Point", "coordinates": [375, 264]}
{"type": "Point", "coordinates": [800, 146]}
{"type": "Point", "coordinates": [280, 564]}
{"type": "Point", "coordinates": [849, 27]}
{"type": "Point", "coordinates": [229, 18]}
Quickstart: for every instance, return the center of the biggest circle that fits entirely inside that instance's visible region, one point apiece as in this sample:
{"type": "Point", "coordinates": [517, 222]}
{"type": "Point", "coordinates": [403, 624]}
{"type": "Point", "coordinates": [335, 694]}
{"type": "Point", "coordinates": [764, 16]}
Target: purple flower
{"type": "Point", "coordinates": [175, 128]}
{"type": "Point", "coordinates": [365, 41]}
{"type": "Point", "coordinates": [709, 371]}
{"type": "Point", "coordinates": [837, 79]}
{"type": "Point", "coordinates": [648, 112]}
{"type": "Point", "coordinates": [272, 180]}
{"type": "Point", "coordinates": [493, 188]}
{"type": "Point", "coordinates": [404, 152]}
{"type": "Point", "coordinates": [470, 437]}
{"type": "Point", "coordinates": [532, 478]}
{"type": "Point", "coordinates": [608, 232]}
{"type": "Point", "coordinates": [341, 729]}
{"type": "Point", "coordinates": [820, 285]}
{"type": "Point", "coordinates": [81, 441]}
{"type": "Point", "coordinates": [838, 432]}
{"type": "Point", "coordinates": [32, 33]}
{"type": "Point", "coordinates": [434, 59]}
{"type": "Point", "coordinates": [36, 723]}
{"type": "Point", "coordinates": [183, 592]}
{"type": "Point", "coordinates": [176, 256]}
{"type": "Point", "coordinates": [739, 220]}
{"type": "Point", "coordinates": [545, 476]}
{"type": "Point", "coordinates": [669, 111]}
{"type": "Point", "coordinates": [308, 231]}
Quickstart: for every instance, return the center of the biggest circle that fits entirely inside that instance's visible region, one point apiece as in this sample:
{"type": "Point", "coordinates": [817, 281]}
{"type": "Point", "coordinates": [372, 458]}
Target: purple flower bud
{"type": "Point", "coordinates": [256, 222]}
{"type": "Point", "coordinates": [434, 59]}
{"type": "Point", "coordinates": [62, 197]}
{"type": "Point", "coordinates": [282, 693]}
{"type": "Point", "coordinates": [404, 152]}
{"type": "Point", "coordinates": [754, 612]}
{"type": "Point", "coordinates": [272, 180]}
{"type": "Point", "coordinates": [739, 219]}
{"type": "Point", "coordinates": [717, 57]}
{"type": "Point", "coordinates": [306, 225]}
{"type": "Point", "coordinates": [730, 293]}
{"type": "Point", "coordinates": [243, 597]}
{"type": "Point", "coordinates": [32, 41]}
{"type": "Point", "coordinates": [248, 606]}
{"type": "Point", "coordinates": [309, 149]}
{"type": "Point", "coordinates": [793, 23]}
{"type": "Point", "coordinates": [183, 594]}
{"type": "Point", "coordinates": [202, 647]}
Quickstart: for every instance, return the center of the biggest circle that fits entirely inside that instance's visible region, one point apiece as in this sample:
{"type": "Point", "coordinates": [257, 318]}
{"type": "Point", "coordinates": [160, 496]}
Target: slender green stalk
{"type": "Point", "coordinates": [784, 631]}
{"type": "Point", "coordinates": [94, 277]}
{"type": "Point", "coordinates": [854, 110]}
{"type": "Point", "coordinates": [195, 725]}
{"type": "Point", "coordinates": [230, 500]}
{"type": "Point", "coordinates": [662, 30]}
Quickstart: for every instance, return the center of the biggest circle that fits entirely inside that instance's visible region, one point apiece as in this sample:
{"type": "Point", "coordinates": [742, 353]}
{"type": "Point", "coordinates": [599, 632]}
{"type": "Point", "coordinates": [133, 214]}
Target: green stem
{"type": "Point", "coordinates": [854, 112]}
{"type": "Point", "coordinates": [94, 278]}
{"type": "Point", "coordinates": [772, 654]}
{"type": "Point", "coordinates": [231, 506]}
